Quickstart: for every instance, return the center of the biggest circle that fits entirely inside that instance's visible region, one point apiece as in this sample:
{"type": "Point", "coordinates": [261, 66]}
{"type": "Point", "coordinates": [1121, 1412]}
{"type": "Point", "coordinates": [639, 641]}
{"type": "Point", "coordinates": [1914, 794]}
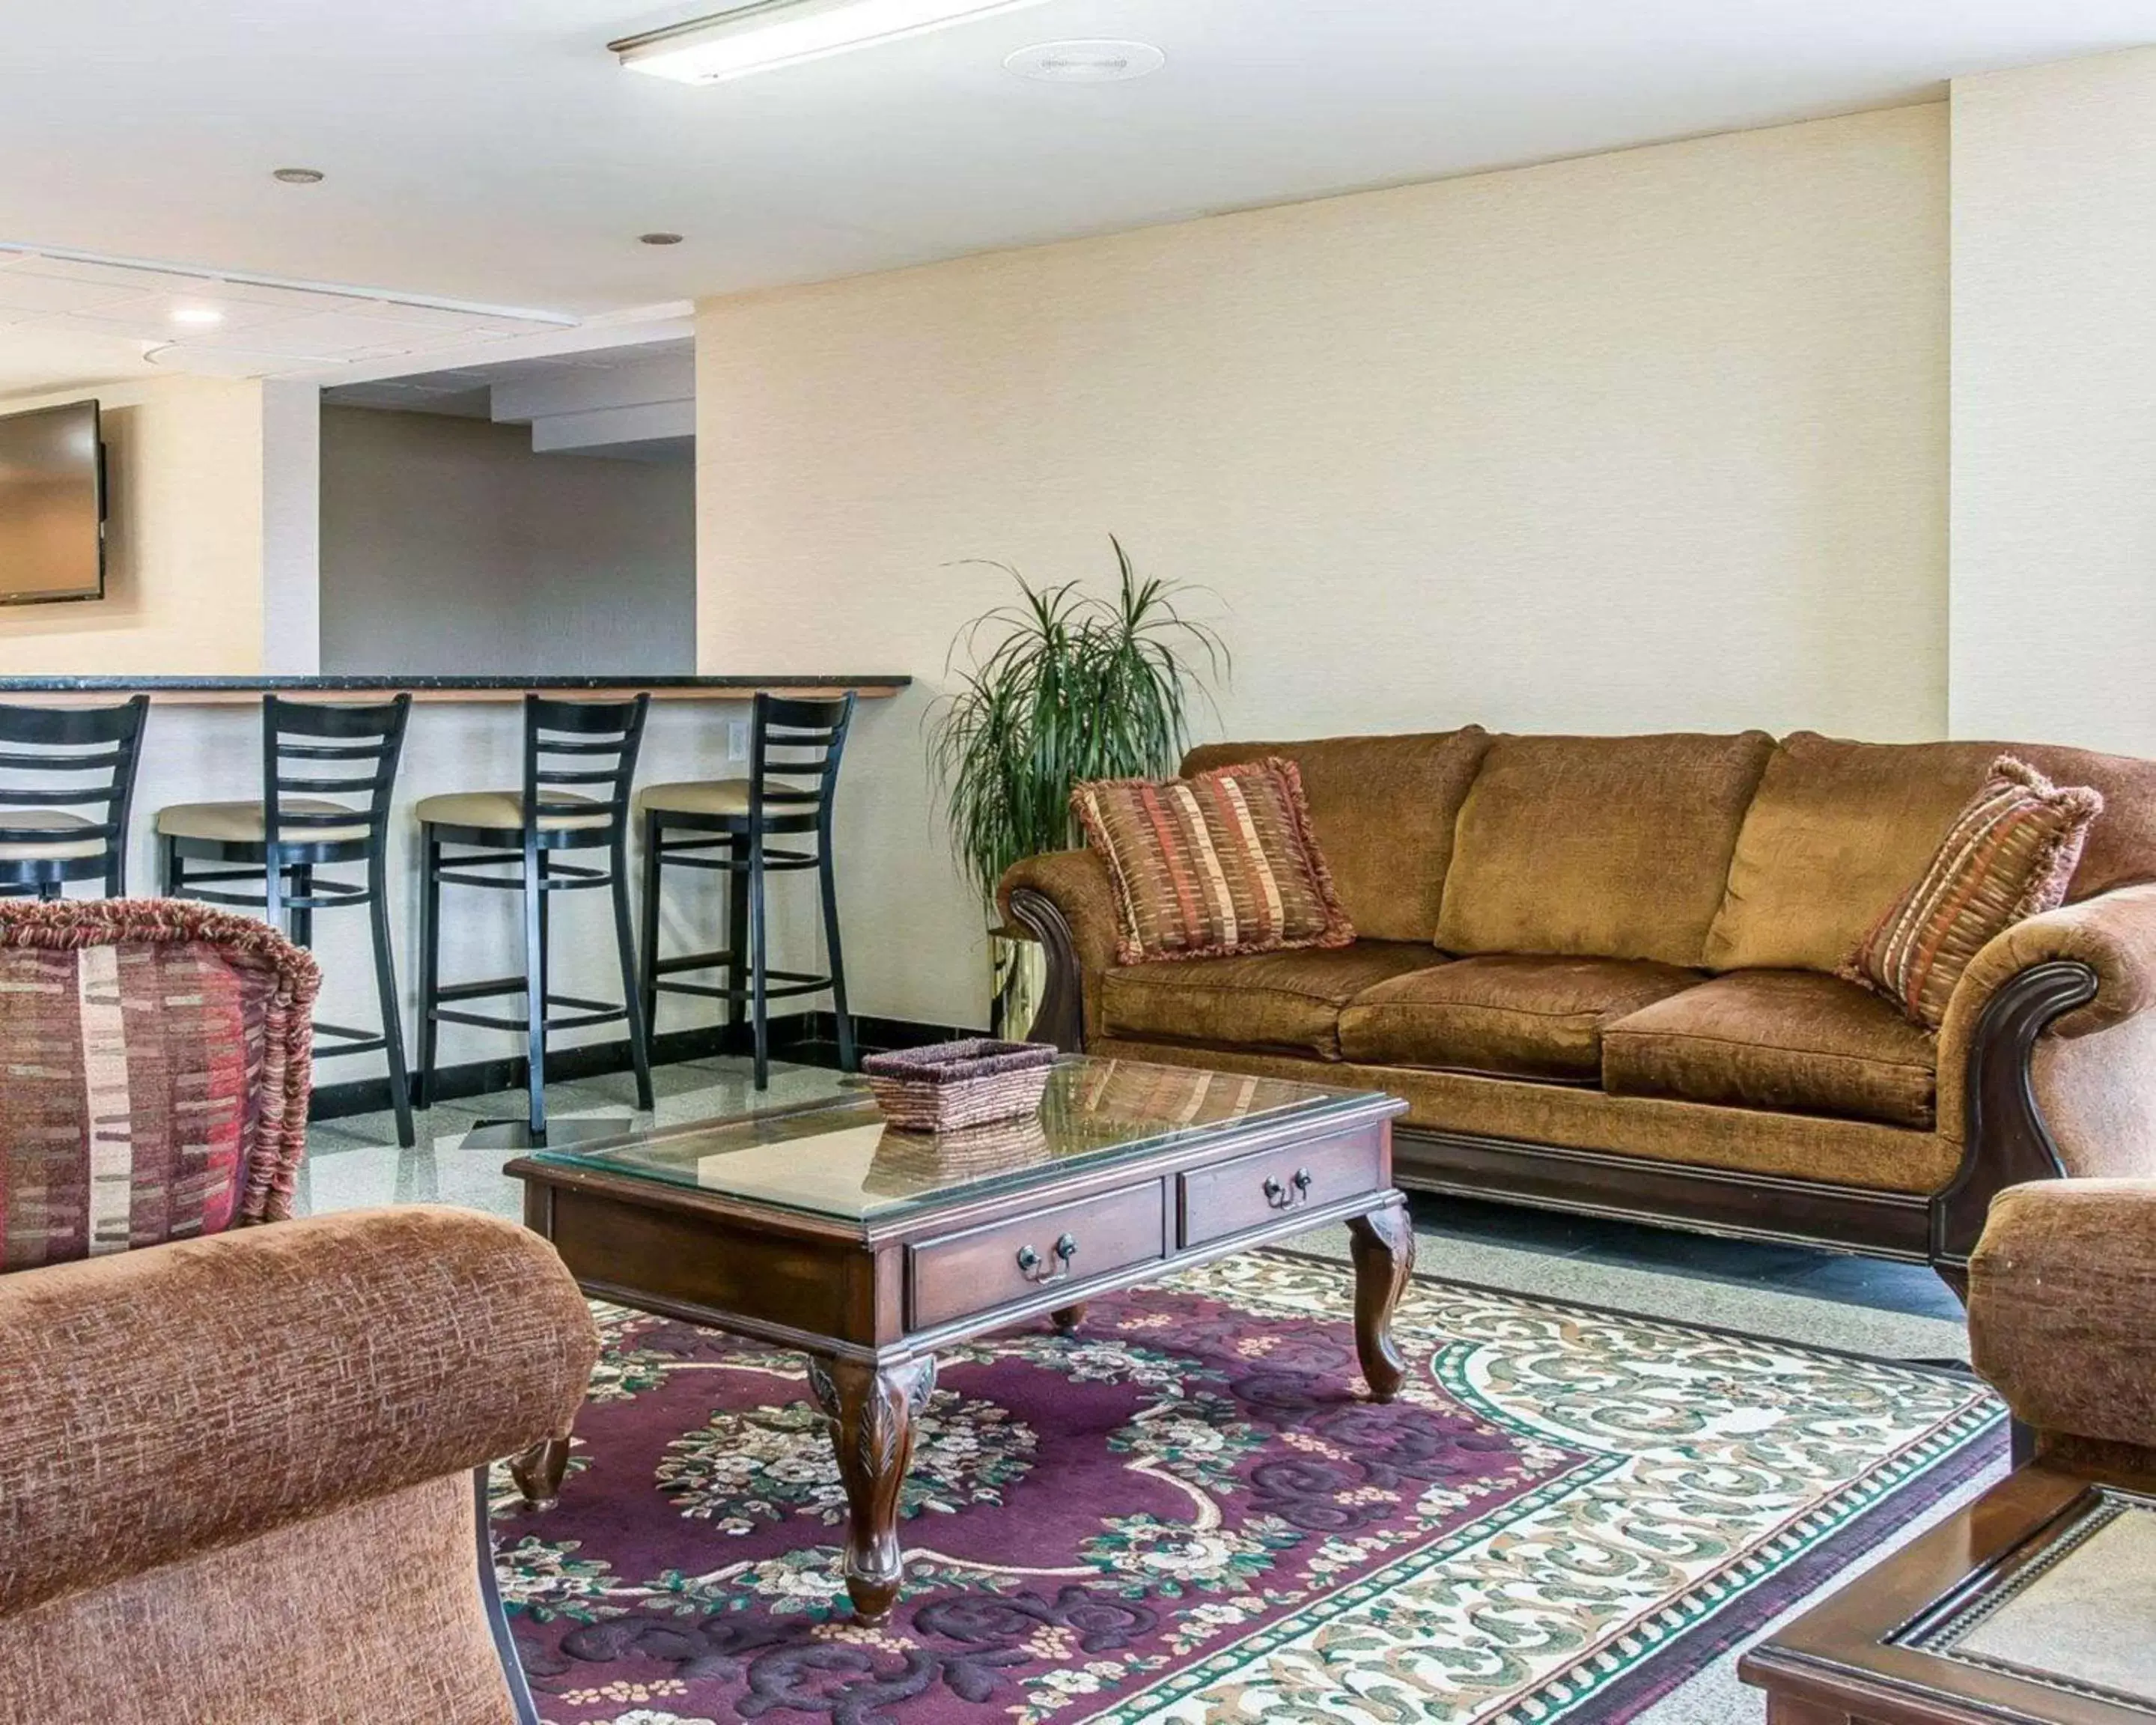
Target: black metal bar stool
{"type": "Point", "coordinates": [795, 748]}
{"type": "Point", "coordinates": [79, 755]}
{"type": "Point", "coordinates": [595, 742]}
{"type": "Point", "coordinates": [316, 758]}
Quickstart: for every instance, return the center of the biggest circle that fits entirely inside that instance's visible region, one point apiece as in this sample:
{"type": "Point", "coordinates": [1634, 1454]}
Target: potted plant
{"type": "Point", "coordinates": [1057, 688]}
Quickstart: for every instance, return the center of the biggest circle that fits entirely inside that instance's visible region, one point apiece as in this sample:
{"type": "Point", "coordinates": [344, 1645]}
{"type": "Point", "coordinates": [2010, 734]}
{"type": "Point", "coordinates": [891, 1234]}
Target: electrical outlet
{"type": "Point", "coordinates": [737, 739]}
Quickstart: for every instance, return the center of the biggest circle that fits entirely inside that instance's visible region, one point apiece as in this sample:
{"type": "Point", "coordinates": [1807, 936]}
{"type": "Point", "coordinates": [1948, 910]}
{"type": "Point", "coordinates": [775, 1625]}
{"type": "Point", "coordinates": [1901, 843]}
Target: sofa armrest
{"type": "Point", "coordinates": [2113, 935]}
{"type": "Point", "coordinates": [171, 1400]}
{"type": "Point", "coordinates": [2063, 1307]}
{"type": "Point", "coordinates": [2048, 1058]}
{"type": "Point", "coordinates": [1066, 900]}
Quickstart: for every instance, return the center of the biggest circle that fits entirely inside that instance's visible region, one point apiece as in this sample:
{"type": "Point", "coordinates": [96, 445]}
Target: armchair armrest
{"type": "Point", "coordinates": [2063, 1307]}
{"type": "Point", "coordinates": [1066, 900]}
{"type": "Point", "coordinates": [168, 1401]}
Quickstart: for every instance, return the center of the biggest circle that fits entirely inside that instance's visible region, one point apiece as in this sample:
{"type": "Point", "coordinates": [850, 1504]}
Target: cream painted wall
{"type": "Point", "coordinates": [1650, 439]}
{"type": "Point", "coordinates": [184, 541]}
{"type": "Point", "coordinates": [2053, 615]}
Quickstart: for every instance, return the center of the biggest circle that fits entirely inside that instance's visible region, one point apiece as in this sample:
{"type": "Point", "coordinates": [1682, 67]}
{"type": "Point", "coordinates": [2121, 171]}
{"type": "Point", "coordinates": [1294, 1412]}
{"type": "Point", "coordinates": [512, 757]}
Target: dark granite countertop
{"type": "Point", "coordinates": [444, 687]}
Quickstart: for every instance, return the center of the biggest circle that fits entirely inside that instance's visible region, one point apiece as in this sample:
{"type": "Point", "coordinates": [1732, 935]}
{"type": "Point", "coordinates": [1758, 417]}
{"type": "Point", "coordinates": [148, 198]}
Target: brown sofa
{"type": "Point", "coordinates": [1601, 970]}
{"type": "Point", "coordinates": [236, 1474]}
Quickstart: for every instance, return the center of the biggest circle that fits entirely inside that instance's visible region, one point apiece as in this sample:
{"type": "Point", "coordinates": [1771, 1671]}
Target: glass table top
{"type": "Point", "coordinates": [839, 1159]}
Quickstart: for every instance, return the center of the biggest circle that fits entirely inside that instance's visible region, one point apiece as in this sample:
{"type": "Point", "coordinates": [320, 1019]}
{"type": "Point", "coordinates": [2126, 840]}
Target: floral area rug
{"type": "Point", "coordinates": [1188, 1513]}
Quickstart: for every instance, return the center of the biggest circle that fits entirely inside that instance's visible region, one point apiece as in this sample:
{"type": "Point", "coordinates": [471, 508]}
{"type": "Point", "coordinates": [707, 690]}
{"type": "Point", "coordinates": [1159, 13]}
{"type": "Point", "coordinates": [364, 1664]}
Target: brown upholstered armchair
{"type": "Point", "coordinates": [2062, 1321]}
{"type": "Point", "coordinates": [236, 1474]}
{"type": "Point", "coordinates": [157, 1055]}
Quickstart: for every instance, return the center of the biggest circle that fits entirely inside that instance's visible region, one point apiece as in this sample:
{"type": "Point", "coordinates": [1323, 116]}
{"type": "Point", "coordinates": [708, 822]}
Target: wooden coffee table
{"type": "Point", "coordinates": [2035, 1602]}
{"type": "Point", "coordinates": [818, 1229]}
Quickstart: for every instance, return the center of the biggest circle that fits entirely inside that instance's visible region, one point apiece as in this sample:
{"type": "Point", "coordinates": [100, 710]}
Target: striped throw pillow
{"type": "Point", "coordinates": [2009, 855]}
{"type": "Point", "coordinates": [1220, 864]}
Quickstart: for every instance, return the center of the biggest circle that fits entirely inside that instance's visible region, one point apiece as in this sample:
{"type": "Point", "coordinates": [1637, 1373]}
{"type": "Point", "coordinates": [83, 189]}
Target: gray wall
{"type": "Point", "coordinates": [447, 545]}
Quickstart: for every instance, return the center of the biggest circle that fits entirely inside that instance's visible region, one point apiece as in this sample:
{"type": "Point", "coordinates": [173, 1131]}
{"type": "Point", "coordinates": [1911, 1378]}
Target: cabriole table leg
{"type": "Point", "coordinates": [871, 1411]}
{"type": "Point", "coordinates": [538, 1472]}
{"type": "Point", "coordinates": [1384, 1248]}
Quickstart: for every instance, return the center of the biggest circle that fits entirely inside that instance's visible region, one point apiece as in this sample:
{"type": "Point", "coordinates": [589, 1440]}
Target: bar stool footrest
{"type": "Point", "coordinates": [349, 1040]}
{"type": "Point", "coordinates": [488, 1021]}
{"type": "Point", "coordinates": [794, 983]}
{"type": "Point", "coordinates": [693, 961]}
{"type": "Point", "coordinates": [480, 991]}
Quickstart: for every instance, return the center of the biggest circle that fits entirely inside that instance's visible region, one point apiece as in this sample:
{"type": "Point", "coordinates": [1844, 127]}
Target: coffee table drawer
{"type": "Point", "coordinates": [1004, 1262]}
{"type": "Point", "coordinates": [1233, 1197]}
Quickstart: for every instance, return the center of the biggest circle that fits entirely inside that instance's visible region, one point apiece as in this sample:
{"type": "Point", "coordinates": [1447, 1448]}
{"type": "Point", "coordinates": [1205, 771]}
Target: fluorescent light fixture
{"type": "Point", "coordinates": [202, 315]}
{"type": "Point", "coordinates": [771, 33]}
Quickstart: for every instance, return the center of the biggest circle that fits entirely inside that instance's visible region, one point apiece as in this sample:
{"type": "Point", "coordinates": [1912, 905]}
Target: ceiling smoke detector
{"type": "Point", "coordinates": [658, 240]}
{"type": "Point", "coordinates": [297, 175]}
{"type": "Point", "coordinates": [1086, 62]}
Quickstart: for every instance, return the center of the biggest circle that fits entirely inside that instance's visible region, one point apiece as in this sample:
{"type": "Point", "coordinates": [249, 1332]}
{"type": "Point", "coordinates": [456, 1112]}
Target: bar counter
{"type": "Point", "coordinates": [203, 743]}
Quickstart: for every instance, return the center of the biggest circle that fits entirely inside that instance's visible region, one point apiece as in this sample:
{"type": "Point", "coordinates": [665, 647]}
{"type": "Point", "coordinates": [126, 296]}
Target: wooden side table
{"type": "Point", "coordinates": [2034, 1605]}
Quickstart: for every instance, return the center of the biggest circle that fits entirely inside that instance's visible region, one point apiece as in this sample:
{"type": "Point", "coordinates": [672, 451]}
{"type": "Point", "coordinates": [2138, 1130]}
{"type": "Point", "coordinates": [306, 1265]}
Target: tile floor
{"type": "Point", "coordinates": [1814, 1297]}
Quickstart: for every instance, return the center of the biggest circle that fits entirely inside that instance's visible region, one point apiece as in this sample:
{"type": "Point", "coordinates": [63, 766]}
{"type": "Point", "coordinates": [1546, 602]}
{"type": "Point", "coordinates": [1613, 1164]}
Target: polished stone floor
{"type": "Point", "coordinates": [1817, 1298]}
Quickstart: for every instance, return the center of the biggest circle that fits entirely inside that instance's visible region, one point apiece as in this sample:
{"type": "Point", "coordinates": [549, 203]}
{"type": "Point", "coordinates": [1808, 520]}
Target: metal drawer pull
{"type": "Point", "coordinates": [1030, 1267]}
{"type": "Point", "coordinates": [1277, 1192]}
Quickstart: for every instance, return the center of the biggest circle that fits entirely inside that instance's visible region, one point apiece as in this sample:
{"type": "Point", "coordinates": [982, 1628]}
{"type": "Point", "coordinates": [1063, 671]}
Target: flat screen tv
{"type": "Point", "coordinates": [52, 506]}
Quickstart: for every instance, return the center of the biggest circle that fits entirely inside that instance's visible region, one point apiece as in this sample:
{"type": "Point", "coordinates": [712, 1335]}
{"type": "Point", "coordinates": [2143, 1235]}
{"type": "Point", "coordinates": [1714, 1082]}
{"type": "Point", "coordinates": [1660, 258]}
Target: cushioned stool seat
{"type": "Point", "coordinates": [59, 823]}
{"type": "Point", "coordinates": [503, 811]}
{"type": "Point", "coordinates": [710, 796]}
{"type": "Point", "coordinates": [1516, 1015]}
{"type": "Point", "coordinates": [245, 824]}
{"type": "Point", "coordinates": [1289, 1000]}
{"type": "Point", "coordinates": [1792, 1041]}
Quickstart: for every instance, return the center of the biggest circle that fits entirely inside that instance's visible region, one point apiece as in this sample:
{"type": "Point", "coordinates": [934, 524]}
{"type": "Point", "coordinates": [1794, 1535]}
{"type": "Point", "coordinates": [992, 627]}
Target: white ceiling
{"type": "Point", "coordinates": [492, 152]}
{"type": "Point", "coordinates": [211, 326]}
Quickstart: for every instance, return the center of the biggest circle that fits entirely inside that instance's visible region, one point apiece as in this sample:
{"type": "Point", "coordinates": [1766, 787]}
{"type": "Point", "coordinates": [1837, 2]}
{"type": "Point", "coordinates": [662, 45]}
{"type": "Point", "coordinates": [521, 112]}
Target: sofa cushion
{"type": "Point", "coordinates": [1787, 1039]}
{"type": "Point", "coordinates": [1525, 1017]}
{"type": "Point", "coordinates": [1213, 866]}
{"type": "Point", "coordinates": [1383, 808]}
{"type": "Point", "coordinates": [1280, 1000]}
{"type": "Point", "coordinates": [1602, 847]}
{"type": "Point", "coordinates": [1838, 830]}
{"type": "Point", "coordinates": [2007, 857]}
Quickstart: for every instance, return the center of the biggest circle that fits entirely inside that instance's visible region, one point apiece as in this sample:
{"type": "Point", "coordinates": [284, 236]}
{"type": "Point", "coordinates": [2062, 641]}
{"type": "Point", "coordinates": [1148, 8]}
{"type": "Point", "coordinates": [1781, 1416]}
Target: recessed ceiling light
{"type": "Point", "coordinates": [199, 315]}
{"type": "Point", "coordinates": [1086, 62]}
{"type": "Point", "coordinates": [298, 176]}
{"type": "Point", "coordinates": [769, 33]}
{"type": "Point", "coordinates": [658, 238]}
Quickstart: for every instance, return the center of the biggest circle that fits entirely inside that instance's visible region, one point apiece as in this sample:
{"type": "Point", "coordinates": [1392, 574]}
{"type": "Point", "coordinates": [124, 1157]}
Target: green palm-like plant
{"type": "Point", "coordinates": [1063, 686]}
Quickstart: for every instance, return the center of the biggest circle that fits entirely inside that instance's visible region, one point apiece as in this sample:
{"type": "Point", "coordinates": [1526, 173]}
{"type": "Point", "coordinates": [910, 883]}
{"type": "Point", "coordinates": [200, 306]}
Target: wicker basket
{"type": "Point", "coordinates": [959, 1084]}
